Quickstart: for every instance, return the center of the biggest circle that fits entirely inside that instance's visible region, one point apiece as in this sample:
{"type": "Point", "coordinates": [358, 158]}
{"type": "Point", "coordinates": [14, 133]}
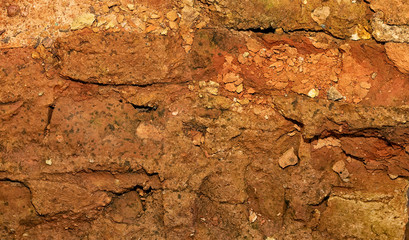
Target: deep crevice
{"type": "Point", "coordinates": [49, 117]}
{"type": "Point", "coordinates": [296, 122]}
{"type": "Point", "coordinates": [144, 108]}
{"type": "Point", "coordinates": [299, 124]}
{"type": "Point", "coordinates": [273, 30]}
{"type": "Point", "coordinates": [123, 84]}
{"type": "Point", "coordinates": [324, 200]}
{"type": "Point", "coordinates": [258, 30]}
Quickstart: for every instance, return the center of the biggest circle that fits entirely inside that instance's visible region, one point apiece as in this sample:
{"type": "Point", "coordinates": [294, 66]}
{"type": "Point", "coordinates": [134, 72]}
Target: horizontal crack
{"type": "Point", "coordinates": [273, 30]}
{"type": "Point", "coordinates": [125, 84]}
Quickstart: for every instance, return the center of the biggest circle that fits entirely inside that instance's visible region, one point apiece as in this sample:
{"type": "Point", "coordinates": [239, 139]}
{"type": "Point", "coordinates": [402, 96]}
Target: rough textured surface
{"type": "Point", "coordinates": [390, 21]}
{"type": "Point", "coordinates": [370, 212]}
{"type": "Point", "coordinates": [165, 120]}
{"type": "Point", "coordinates": [388, 33]}
{"type": "Point", "coordinates": [132, 59]}
{"type": "Point", "coordinates": [396, 12]}
{"type": "Point", "coordinates": [398, 53]}
{"type": "Point", "coordinates": [340, 18]}
{"type": "Point", "coordinates": [318, 116]}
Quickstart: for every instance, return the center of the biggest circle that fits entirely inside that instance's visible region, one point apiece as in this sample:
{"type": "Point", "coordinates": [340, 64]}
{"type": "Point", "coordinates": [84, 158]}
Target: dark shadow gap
{"type": "Point", "coordinates": [49, 117]}
{"type": "Point", "coordinates": [143, 108]}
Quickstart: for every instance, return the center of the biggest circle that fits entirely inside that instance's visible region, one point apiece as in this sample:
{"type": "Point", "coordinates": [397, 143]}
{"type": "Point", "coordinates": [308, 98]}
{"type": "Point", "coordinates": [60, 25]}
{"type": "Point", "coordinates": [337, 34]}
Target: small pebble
{"type": "Point", "coordinates": [13, 10]}
{"type": "Point", "coordinates": [35, 55]}
{"type": "Point", "coordinates": [47, 42]}
{"type": "Point", "coordinates": [120, 18]}
{"type": "Point", "coordinates": [288, 159]}
{"type": "Point", "coordinates": [251, 91]}
{"type": "Point", "coordinates": [241, 59]}
{"type": "Point", "coordinates": [328, 142]}
{"type": "Point", "coordinates": [333, 94]}
{"type": "Point", "coordinates": [49, 162]}
{"type": "Point", "coordinates": [60, 138]}
{"type": "Point", "coordinates": [155, 16]}
{"type": "Point", "coordinates": [252, 216]}
{"type": "Point", "coordinates": [334, 78]}
{"type": "Point", "coordinates": [65, 28]}
{"type": "Point", "coordinates": [201, 25]}
{"type": "Point", "coordinates": [279, 31]}
{"type": "Point", "coordinates": [355, 37]}
{"type": "Point", "coordinates": [172, 15]}
{"type": "Point", "coordinates": [230, 87]}
{"type": "Point", "coordinates": [164, 32]}
{"type": "Point", "coordinates": [198, 139]}
{"type": "Point", "coordinates": [82, 21]}
{"type": "Point", "coordinates": [243, 101]}
{"type": "Point", "coordinates": [230, 77]}
{"type": "Point", "coordinates": [340, 168]}
{"type": "Point", "coordinates": [151, 28]}
{"type": "Point", "coordinates": [105, 9]}
{"type": "Point", "coordinates": [239, 88]}
{"type": "Point", "coordinates": [365, 85]}
{"type": "Point", "coordinates": [173, 25]}
{"type": "Point", "coordinates": [131, 7]}
{"type": "Point", "coordinates": [313, 93]}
